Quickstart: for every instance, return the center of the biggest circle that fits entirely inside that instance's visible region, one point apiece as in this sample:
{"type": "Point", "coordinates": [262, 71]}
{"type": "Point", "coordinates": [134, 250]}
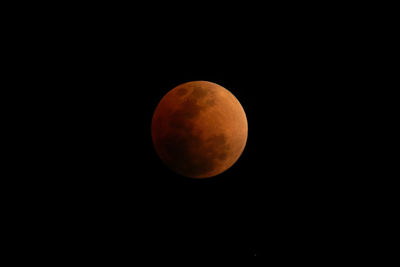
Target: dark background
{"type": "Point", "coordinates": [289, 197]}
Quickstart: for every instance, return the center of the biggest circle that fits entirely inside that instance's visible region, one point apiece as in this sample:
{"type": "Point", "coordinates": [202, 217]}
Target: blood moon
{"type": "Point", "coordinates": [199, 129]}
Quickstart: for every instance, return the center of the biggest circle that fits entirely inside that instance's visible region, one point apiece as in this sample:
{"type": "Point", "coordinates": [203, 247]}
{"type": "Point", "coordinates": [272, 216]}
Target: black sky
{"type": "Point", "coordinates": [289, 196]}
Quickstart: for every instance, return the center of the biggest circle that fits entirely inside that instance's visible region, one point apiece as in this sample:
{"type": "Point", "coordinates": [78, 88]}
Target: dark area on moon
{"type": "Point", "coordinates": [184, 147]}
{"type": "Point", "coordinates": [186, 152]}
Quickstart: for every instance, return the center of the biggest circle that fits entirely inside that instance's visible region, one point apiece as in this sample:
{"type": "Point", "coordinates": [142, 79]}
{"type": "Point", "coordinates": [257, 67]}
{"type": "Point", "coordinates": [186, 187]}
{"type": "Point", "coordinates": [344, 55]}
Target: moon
{"type": "Point", "coordinates": [199, 129]}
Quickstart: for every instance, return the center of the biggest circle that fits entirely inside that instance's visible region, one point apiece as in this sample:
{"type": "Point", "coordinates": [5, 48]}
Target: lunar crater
{"type": "Point", "coordinates": [182, 91]}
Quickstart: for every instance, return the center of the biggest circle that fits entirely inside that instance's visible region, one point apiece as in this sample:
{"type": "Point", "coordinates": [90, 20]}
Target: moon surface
{"type": "Point", "coordinates": [199, 129]}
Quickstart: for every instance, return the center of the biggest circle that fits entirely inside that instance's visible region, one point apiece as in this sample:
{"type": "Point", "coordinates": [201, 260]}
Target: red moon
{"type": "Point", "coordinates": [199, 129]}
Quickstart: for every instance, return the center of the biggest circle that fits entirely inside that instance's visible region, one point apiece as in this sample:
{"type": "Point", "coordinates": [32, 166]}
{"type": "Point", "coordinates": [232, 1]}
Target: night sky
{"type": "Point", "coordinates": [288, 197]}
{"type": "Point", "coordinates": [273, 201]}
